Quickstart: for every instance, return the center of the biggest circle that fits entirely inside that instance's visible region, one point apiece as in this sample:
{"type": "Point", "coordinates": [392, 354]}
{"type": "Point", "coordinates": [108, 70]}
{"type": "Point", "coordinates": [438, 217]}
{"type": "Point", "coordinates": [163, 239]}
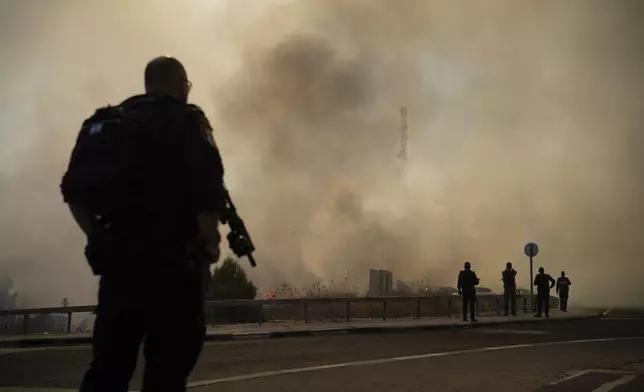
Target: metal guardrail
{"type": "Point", "coordinates": [314, 308]}
{"type": "Point", "coordinates": [61, 310]}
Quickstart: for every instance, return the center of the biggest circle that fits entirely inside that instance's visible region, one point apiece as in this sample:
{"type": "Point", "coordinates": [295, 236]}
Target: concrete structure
{"type": "Point", "coordinates": [484, 291]}
{"type": "Point", "coordinates": [381, 282]}
{"type": "Point", "coordinates": [406, 287]}
{"type": "Point", "coordinates": [444, 290]}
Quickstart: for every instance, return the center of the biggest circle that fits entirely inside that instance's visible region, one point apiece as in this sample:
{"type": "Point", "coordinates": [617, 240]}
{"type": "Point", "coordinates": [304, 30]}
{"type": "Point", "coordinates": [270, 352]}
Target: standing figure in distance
{"type": "Point", "coordinates": [563, 289]}
{"type": "Point", "coordinates": [467, 282]}
{"type": "Point", "coordinates": [509, 289]}
{"type": "Point", "coordinates": [145, 184]}
{"type": "Point", "coordinates": [544, 283]}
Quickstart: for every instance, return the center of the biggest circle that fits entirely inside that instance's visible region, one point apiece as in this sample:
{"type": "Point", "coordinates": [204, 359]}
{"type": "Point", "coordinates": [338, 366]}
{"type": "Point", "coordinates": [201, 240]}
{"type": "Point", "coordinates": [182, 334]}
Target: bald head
{"type": "Point", "coordinates": [167, 76]}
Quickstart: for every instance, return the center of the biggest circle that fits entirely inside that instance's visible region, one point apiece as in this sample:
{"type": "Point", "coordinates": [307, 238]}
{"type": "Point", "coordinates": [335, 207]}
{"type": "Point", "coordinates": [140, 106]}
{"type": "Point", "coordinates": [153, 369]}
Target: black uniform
{"type": "Point", "coordinates": [563, 289]}
{"type": "Point", "coordinates": [467, 282]}
{"type": "Point", "coordinates": [544, 283]}
{"type": "Point", "coordinates": [510, 291]}
{"type": "Point", "coordinates": [151, 288]}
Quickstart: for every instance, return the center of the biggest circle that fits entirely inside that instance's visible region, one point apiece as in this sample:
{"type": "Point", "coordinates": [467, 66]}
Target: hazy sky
{"type": "Point", "coordinates": [525, 125]}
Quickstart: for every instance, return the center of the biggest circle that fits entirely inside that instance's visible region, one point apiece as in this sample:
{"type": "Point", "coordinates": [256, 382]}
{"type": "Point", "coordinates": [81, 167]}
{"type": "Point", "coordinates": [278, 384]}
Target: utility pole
{"type": "Point", "coordinates": [403, 134]}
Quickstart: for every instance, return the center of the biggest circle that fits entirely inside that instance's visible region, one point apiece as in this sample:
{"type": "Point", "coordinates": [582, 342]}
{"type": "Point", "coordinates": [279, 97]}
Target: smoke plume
{"type": "Point", "coordinates": [523, 122]}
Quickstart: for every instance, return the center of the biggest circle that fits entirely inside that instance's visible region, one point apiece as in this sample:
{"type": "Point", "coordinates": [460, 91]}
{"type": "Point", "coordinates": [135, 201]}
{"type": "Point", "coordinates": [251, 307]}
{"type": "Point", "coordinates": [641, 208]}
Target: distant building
{"type": "Point", "coordinates": [8, 300]}
{"type": "Point", "coordinates": [380, 282]}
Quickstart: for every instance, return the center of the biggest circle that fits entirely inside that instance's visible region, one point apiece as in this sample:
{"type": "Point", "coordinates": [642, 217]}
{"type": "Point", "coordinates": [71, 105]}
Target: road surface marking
{"type": "Point", "coordinates": [511, 331]}
{"type": "Point", "coordinates": [614, 384]}
{"type": "Point", "coordinates": [608, 311]}
{"type": "Point", "coordinates": [570, 376]}
{"type": "Point", "coordinates": [252, 376]}
{"type": "Point", "coordinates": [607, 371]}
{"type": "Point", "coordinates": [622, 318]}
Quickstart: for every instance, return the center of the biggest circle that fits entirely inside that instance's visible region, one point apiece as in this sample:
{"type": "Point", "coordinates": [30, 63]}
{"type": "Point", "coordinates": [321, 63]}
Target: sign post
{"type": "Point", "coordinates": [531, 250]}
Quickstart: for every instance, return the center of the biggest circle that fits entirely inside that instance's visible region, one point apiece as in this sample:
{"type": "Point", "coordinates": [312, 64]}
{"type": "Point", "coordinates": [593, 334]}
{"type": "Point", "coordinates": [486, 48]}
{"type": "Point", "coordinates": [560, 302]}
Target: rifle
{"type": "Point", "coordinates": [239, 240]}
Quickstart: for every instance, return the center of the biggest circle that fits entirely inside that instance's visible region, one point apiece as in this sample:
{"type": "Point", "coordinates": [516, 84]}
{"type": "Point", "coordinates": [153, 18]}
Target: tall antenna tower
{"type": "Point", "coordinates": [403, 134]}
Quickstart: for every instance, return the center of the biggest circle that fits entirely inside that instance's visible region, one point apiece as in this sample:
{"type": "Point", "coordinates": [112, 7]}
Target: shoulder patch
{"type": "Point", "coordinates": [206, 132]}
{"type": "Point", "coordinates": [95, 128]}
{"type": "Point", "coordinates": [204, 125]}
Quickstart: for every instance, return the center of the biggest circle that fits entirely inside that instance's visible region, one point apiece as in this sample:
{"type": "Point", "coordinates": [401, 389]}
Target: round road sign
{"type": "Point", "coordinates": [531, 249]}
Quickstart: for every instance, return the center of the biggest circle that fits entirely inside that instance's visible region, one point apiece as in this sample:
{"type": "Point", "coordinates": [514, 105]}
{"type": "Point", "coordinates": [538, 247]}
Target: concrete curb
{"type": "Point", "coordinates": [387, 328]}
{"type": "Point", "coordinates": [31, 342]}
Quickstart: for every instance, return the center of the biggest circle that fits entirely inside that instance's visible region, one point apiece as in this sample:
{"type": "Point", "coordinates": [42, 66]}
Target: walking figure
{"type": "Point", "coordinates": [563, 289]}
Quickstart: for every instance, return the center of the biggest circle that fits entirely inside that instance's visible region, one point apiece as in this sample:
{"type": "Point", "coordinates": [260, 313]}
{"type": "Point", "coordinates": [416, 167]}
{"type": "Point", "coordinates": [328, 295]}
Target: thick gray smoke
{"type": "Point", "coordinates": [523, 120]}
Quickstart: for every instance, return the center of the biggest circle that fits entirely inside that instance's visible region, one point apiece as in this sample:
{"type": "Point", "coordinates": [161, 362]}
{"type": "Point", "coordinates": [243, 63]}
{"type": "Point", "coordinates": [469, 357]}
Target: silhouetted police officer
{"type": "Point", "coordinates": [544, 283]}
{"type": "Point", "coordinates": [509, 289]}
{"type": "Point", "coordinates": [150, 288]}
{"type": "Point", "coordinates": [467, 282]}
{"type": "Point", "coordinates": [563, 289]}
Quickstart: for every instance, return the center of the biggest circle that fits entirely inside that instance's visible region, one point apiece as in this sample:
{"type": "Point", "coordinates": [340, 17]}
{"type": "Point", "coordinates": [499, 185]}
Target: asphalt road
{"type": "Point", "coordinates": [578, 355]}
